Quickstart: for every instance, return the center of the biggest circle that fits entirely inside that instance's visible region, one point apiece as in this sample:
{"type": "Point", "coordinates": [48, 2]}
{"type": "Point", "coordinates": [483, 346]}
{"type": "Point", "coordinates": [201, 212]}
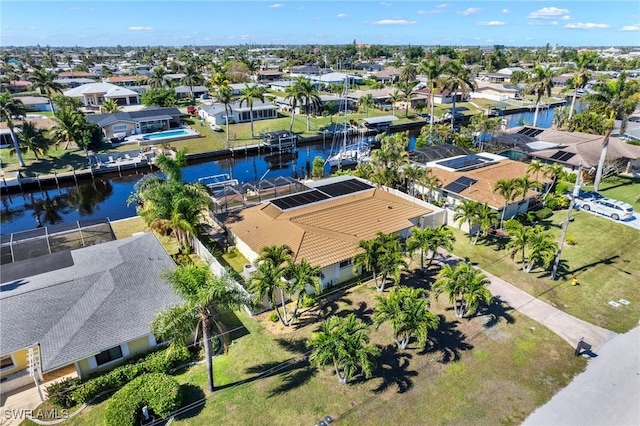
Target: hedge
{"type": "Point", "coordinates": [544, 213]}
{"type": "Point", "coordinates": [159, 392]}
{"type": "Point", "coordinates": [156, 362]}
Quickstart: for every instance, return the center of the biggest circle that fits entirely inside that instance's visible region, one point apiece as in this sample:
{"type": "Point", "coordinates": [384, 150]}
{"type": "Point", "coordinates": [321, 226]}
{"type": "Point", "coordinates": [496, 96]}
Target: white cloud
{"type": "Point", "coordinates": [392, 22]}
{"type": "Point", "coordinates": [469, 11]}
{"type": "Point", "coordinates": [566, 17]}
{"type": "Point", "coordinates": [384, 3]}
{"type": "Point", "coordinates": [548, 12]}
{"type": "Point", "coordinates": [430, 12]}
{"type": "Point", "coordinates": [276, 5]}
{"type": "Point", "coordinates": [442, 6]}
{"type": "Point", "coordinates": [586, 26]}
{"type": "Point", "coordinates": [140, 28]}
{"type": "Point", "coordinates": [490, 23]}
{"type": "Point", "coordinates": [554, 23]}
{"type": "Point", "coordinates": [631, 28]}
{"type": "Point", "coordinates": [341, 15]}
{"type": "Point", "coordinates": [505, 10]}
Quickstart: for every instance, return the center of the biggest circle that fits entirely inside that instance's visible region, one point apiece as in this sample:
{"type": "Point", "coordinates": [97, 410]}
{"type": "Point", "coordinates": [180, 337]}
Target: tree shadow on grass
{"type": "Point", "coordinates": [495, 312]}
{"type": "Point", "coordinates": [393, 369]}
{"type": "Point", "coordinates": [447, 340]}
{"type": "Point", "coordinates": [193, 399]}
{"type": "Point", "coordinates": [363, 312]}
{"type": "Point", "coordinates": [422, 279]}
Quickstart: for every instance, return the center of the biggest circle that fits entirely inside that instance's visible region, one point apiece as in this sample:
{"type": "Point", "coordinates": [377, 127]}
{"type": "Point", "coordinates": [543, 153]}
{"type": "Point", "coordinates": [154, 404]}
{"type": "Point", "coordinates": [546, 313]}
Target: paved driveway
{"type": "Point", "coordinates": [634, 222]}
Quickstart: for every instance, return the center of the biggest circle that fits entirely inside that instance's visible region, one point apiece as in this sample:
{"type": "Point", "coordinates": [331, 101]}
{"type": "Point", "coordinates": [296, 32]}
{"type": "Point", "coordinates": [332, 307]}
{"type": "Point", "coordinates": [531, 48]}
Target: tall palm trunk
{"type": "Point", "coordinates": [573, 103]}
{"type": "Point", "coordinates": [535, 114]}
{"type": "Point", "coordinates": [453, 110]}
{"type": "Point", "coordinates": [207, 352]}
{"type": "Point", "coordinates": [16, 146]}
{"type": "Point", "coordinates": [433, 98]}
{"type": "Point", "coordinates": [603, 157]}
{"type": "Point", "coordinates": [251, 117]}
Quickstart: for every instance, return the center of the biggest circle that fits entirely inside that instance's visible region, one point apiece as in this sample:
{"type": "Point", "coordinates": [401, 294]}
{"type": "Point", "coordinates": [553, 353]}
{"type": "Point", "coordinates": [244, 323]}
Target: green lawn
{"type": "Point", "coordinates": [605, 260]}
{"type": "Point", "coordinates": [495, 368]}
{"type": "Point", "coordinates": [623, 188]}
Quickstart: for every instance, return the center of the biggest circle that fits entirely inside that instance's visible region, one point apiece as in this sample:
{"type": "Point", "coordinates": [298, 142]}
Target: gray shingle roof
{"type": "Point", "coordinates": [103, 120]}
{"type": "Point", "coordinates": [109, 296]}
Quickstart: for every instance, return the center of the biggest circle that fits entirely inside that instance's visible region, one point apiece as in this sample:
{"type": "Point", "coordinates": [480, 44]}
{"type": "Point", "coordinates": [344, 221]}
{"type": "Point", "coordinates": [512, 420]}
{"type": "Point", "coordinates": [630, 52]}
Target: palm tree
{"type": "Point", "coordinates": [156, 80]}
{"type": "Point", "coordinates": [249, 94]}
{"type": "Point", "coordinates": [292, 95]}
{"type": "Point", "coordinates": [430, 240]}
{"type": "Point", "coordinates": [542, 248]}
{"type": "Point", "coordinates": [508, 189]}
{"type": "Point", "coordinates": [554, 171]}
{"type": "Point", "coordinates": [395, 97]}
{"type": "Point", "coordinates": [406, 87]}
{"type": "Point", "coordinates": [192, 77]}
{"type": "Point", "coordinates": [614, 99]}
{"type": "Point", "coordinates": [540, 85]}
{"type": "Point", "coordinates": [430, 182]}
{"type": "Point", "coordinates": [465, 286]}
{"type": "Point", "coordinates": [110, 106]}
{"type": "Point", "coordinates": [301, 277]}
{"type": "Point", "coordinates": [466, 211]}
{"type": "Point", "coordinates": [206, 297]}
{"type": "Point", "coordinates": [392, 261]}
{"type": "Point", "coordinates": [524, 184]}
{"type": "Point", "coordinates": [412, 174]}
{"type": "Point", "coordinates": [519, 238]}
{"type": "Point", "coordinates": [408, 312]}
{"type": "Point", "coordinates": [432, 69]}
{"type": "Point", "coordinates": [382, 255]}
{"type": "Point", "coordinates": [225, 97]}
{"type": "Point", "coordinates": [68, 128]}
{"type": "Point", "coordinates": [366, 102]}
{"type": "Point", "coordinates": [44, 82]}
{"type": "Point", "coordinates": [308, 94]}
{"type": "Point", "coordinates": [535, 166]}
{"type": "Point", "coordinates": [344, 342]}
{"type": "Point", "coordinates": [485, 218]}
{"type": "Point", "coordinates": [458, 78]}
{"type": "Point", "coordinates": [31, 139]}
{"type": "Point", "coordinates": [582, 75]}
{"type": "Point", "coordinates": [10, 108]}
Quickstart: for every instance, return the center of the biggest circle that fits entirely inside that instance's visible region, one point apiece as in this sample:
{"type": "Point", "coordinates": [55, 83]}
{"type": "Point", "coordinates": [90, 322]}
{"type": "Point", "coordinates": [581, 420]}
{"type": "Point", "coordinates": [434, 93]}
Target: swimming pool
{"type": "Point", "coordinates": [170, 134]}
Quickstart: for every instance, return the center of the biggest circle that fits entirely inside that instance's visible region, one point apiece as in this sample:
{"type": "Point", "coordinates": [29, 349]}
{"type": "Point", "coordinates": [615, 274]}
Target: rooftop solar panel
{"type": "Point", "coordinates": [557, 155]}
{"type": "Point", "coordinates": [299, 199]}
{"type": "Point", "coordinates": [460, 184]}
{"type": "Point", "coordinates": [471, 161]}
{"type": "Point", "coordinates": [343, 187]}
{"type": "Point", "coordinates": [530, 131]}
{"type": "Point", "coordinates": [567, 156]}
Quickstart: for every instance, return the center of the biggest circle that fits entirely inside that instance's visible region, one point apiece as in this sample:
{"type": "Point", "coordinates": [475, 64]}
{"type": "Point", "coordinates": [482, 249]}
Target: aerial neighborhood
{"type": "Point", "coordinates": [353, 233]}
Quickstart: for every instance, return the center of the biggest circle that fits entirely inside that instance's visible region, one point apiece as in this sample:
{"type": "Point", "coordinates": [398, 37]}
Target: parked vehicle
{"type": "Point", "coordinates": [616, 210]}
{"type": "Point", "coordinates": [589, 195]}
{"type": "Point", "coordinates": [191, 110]}
{"type": "Point", "coordinates": [216, 128]}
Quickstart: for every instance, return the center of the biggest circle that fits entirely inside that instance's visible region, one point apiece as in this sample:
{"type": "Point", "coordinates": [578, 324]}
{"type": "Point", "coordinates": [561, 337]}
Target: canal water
{"type": "Point", "coordinates": [107, 197]}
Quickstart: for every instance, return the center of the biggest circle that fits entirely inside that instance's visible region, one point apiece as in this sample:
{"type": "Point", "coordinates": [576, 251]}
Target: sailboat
{"type": "Point", "coordinates": [350, 154]}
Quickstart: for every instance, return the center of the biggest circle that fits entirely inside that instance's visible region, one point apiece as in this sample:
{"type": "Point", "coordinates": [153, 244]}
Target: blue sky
{"type": "Point", "coordinates": [179, 23]}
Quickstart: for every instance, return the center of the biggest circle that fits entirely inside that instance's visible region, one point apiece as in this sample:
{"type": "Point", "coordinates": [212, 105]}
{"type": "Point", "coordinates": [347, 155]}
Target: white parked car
{"type": "Point", "coordinates": [616, 210]}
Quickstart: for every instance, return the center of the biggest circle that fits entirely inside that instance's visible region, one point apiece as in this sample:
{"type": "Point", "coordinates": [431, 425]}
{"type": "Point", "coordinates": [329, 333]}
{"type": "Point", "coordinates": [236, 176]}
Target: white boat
{"type": "Point", "coordinates": [349, 154]}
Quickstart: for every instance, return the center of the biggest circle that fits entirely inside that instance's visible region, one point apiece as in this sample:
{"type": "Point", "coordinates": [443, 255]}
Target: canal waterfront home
{"type": "Point", "coordinates": [95, 94]}
{"type": "Point", "coordinates": [148, 120]}
{"type": "Point", "coordinates": [83, 310]}
{"type": "Point", "coordinates": [324, 223]}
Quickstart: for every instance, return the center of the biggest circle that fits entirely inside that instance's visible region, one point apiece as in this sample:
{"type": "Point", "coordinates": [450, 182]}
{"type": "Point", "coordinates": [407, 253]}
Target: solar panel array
{"type": "Point", "coordinates": [460, 184]}
{"type": "Point", "coordinates": [562, 156]}
{"type": "Point", "coordinates": [320, 193]}
{"type": "Point", "coordinates": [299, 199]}
{"type": "Point", "coordinates": [468, 162]}
{"type": "Point", "coordinates": [344, 187]}
{"type": "Point", "coordinates": [529, 131]}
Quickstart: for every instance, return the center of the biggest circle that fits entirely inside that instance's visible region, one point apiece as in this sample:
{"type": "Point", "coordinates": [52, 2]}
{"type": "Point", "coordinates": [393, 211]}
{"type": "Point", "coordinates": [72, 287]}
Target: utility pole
{"type": "Point", "coordinates": [565, 225]}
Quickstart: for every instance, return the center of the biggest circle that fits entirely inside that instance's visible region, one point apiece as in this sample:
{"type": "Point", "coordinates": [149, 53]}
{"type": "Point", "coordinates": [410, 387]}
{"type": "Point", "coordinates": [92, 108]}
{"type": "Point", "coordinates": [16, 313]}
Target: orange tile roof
{"type": "Point", "coordinates": [486, 177]}
{"type": "Point", "coordinates": [327, 232]}
{"type": "Point", "coordinates": [121, 78]}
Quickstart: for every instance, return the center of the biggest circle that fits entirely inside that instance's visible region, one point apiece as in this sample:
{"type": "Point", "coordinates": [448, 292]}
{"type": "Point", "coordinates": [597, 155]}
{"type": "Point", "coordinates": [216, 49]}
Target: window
{"type": "Point", "coordinates": [119, 127]}
{"type": "Point", "coordinates": [6, 363]}
{"type": "Point", "coordinates": [109, 355]}
{"type": "Point", "coordinates": [345, 264]}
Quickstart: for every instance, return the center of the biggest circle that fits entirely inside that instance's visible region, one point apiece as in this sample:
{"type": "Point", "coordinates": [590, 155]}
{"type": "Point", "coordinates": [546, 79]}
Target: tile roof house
{"type": "Point", "coordinates": [88, 308]}
{"type": "Point", "coordinates": [148, 120]}
{"type": "Point", "coordinates": [325, 224]}
{"type": "Point", "coordinates": [569, 148]}
{"type": "Point", "coordinates": [215, 113]}
{"type": "Point", "coordinates": [473, 177]}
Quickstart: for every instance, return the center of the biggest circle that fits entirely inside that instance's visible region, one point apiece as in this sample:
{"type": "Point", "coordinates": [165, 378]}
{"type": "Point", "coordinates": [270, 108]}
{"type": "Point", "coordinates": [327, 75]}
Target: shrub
{"type": "Point", "coordinates": [155, 362]}
{"type": "Point", "coordinates": [545, 213]}
{"type": "Point", "coordinates": [563, 187]}
{"type": "Point", "coordinates": [273, 317]}
{"type": "Point", "coordinates": [307, 301]}
{"type": "Point", "coordinates": [571, 177]}
{"type": "Point", "coordinates": [556, 202]}
{"type": "Point", "coordinates": [60, 393]}
{"type": "Point", "coordinates": [159, 392]}
{"type": "Point", "coordinates": [571, 240]}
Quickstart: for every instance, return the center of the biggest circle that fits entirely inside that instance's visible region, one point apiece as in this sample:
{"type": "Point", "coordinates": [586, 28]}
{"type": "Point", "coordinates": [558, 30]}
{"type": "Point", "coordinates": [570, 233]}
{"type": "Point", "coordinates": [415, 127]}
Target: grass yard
{"type": "Point", "coordinates": [623, 188]}
{"type": "Point", "coordinates": [494, 368]}
{"type": "Point", "coordinates": [605, 260]}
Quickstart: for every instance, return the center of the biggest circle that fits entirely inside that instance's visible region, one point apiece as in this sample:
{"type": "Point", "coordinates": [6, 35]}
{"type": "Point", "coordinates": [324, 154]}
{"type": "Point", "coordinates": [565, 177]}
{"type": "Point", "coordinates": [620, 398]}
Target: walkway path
{"type": "Point", "coordinates": [607, 393]}
{"type": "Point", "coordinates": [570, 328]}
